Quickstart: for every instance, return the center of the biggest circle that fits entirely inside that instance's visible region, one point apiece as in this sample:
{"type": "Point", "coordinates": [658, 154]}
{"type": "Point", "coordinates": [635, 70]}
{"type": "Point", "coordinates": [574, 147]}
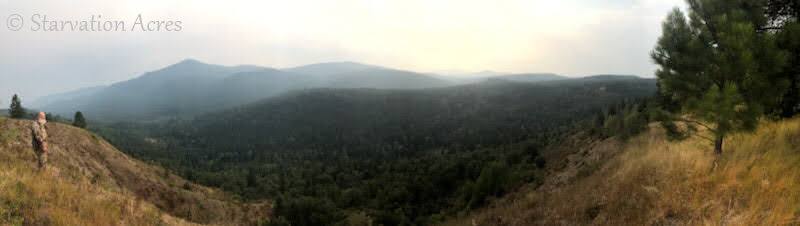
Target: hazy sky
{"type": "Point", "coordinates": [570, 37]}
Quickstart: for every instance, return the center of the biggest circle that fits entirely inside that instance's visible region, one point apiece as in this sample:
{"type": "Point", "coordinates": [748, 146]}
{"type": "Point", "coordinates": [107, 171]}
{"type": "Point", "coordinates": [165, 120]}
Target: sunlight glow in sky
{"type": "Point", "coordinates": [570, 37]}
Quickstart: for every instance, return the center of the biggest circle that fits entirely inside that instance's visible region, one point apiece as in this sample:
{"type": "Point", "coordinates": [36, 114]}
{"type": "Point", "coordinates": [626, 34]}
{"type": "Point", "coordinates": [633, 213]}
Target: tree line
{"type": "Point", "coordinates": [17, 111]}
{"type": "Point", "coordinates": [726, 64]}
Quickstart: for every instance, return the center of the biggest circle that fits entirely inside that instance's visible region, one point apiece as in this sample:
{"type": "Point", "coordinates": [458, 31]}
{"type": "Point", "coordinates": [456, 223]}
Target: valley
{"type": "Point", "coordinates": [398, 148]}
{"type": "Point", "coordinates": [399, 156]}
{"type": "Point", "coordinates": [400, 113]}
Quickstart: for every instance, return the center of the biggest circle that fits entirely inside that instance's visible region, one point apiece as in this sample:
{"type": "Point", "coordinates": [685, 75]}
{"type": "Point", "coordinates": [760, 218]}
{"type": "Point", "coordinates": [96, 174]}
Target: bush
{"type": "Point", "coordinates": [358, 219]}
{"type": "Point", "coordinates": [491, 183]}
{"type": "Point", "coordinates": [626, 121]}
{"type": "Point", "coordinates": [308, 211]}
{"type": "Point", "coordinates": [277, 221]}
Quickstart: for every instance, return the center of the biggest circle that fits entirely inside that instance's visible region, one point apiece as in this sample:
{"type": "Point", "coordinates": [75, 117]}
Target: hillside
{"type": "Point", "coordinates": [649, 180]}
{"type": "Point", "coordinates": [192, 87]}
{"type": "Point", "coordinates": [55, 99]}
{"type": "Point", "coordinates": [245, 87]}
{"type": "Point", "coordinates": [381, 78]}
{"type": "Point", "coordinates": [486, 114]}
{"type": "Point", "coordinates": [468, 78]}
{"type": "Point", "coordinates": [398, 156]}
{"type": "Point", "coordinates": [322, 69]}
{"type": "Point", "coordinates": [529, 77]}
{"type": "Point", "coordinates": [180, 88]}
{"type": "Point", "coordinates": [89, 182]}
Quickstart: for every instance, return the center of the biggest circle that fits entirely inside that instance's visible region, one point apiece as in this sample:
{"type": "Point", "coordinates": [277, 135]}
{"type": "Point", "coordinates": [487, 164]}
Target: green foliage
{"type": "Point", "coordinates": [277, 221]}
{"type": "Point", "coordinates": [625, 120]}
{"type": "Point", "coordinates": [491, 183]}
{"type": "Point", "coordinates": [79, 120]}
{"type": "Point", "coordinates": [308, 211]}
{"type": "Point", "coordinates": [724, 71]}
{"type": "Point", "coordinates": [726, 108]}
{"type": "Point", "coordinates": [783, 18]}
{"type": "Point", "coordinates": [673, 132]}
{"type": "Point", "coordinates": [358, 219]}
{"type": "Point", "coordinates": [16, 110]}
{"type": "Point", "coordinates": [165, 175]}
{"type": "Point", "coordinates": [54, 118]}
{"type": "Point", "coordinates": [402, 157]}
{"type": "Point", "coordinates": [12, 209]}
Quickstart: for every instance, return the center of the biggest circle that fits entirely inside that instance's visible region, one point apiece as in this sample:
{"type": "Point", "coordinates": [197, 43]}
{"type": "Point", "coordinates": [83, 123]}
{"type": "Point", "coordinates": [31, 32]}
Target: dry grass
{"type": "Point", "coordinates": [655, 182]}
{"type": "Point", "coordinates": [89, 182]}
{"type": "Point", "coordinates": [32, 197]}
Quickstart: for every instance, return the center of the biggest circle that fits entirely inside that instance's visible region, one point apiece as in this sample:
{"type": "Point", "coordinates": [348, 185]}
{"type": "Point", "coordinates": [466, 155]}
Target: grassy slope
{"type": "Point", "coordinates": [649, 180]}
{"type": "Point", "coordinates": [89, 182]}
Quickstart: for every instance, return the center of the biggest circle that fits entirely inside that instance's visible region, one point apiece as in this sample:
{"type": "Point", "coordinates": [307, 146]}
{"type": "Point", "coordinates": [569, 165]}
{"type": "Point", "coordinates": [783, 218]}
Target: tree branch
{"type": "Point", "coordinates": [698, 123]}
{"type": "Point", "coordinates": [768, 28]}
{"type": "Point", "coordinates": [704, 137]}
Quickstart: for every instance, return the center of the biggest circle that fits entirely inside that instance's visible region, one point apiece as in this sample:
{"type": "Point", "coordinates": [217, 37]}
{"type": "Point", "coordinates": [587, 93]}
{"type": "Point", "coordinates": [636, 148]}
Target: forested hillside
{"type": "Point", "coordinates": [393, 156]}
{"type": "Point", "coordinates": [709, 136]}
{"type": "Point", "coordinates": [725, 152]}
{"type": "Point", "coordinates": [191, 87]}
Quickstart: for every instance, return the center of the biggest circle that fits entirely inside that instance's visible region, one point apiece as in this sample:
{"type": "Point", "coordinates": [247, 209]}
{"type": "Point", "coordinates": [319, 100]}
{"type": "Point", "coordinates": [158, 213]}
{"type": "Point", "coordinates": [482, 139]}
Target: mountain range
{"type": "Point", "coordinates": [191, 87]}
{"type": "Point", "coordinates": [337, 140]}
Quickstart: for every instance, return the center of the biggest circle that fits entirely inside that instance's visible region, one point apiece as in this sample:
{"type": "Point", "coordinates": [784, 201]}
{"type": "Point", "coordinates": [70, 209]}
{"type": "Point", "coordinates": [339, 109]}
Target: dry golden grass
{"type": "Point", "coordinates": [655, 182]}
{"type": "Point", "coordinates": [89, 182]}
{"type": "Point", "coordinates": [32, 197]}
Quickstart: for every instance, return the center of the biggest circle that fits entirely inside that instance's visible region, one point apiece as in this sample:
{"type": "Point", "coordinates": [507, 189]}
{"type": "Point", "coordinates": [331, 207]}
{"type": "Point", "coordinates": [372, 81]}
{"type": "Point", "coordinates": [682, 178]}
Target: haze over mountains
{"type": "Point", "coordinates": [335, 139]}
{"type": "Point", "coordinates": [484, 114]}
{"type": "Point", "coordinates": [328, 151]}
{"type": "Point", "coordinates": [191, 87]}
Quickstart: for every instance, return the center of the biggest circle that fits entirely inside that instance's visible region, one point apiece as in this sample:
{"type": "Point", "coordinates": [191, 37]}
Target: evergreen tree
{"type": "Point", "coordinates": [16, 110]}
{"type": "Point", "coordinates": [79, 120]}
{"type": "Point", "coordinates": [783, 19]}
{"type": "Point", "coordinates": [722, 68]}
{"type": "Point", "coordinates": [52, 117]}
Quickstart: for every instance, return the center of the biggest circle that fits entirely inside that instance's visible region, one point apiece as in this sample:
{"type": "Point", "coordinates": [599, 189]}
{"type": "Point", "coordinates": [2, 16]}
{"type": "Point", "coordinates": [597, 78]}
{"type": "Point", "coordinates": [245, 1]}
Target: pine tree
{"type": "Point", "coordinates": [16, 110]}
{"type": "Point", "coordinates": [720, 66]}
{"type": "Point", "coordinates": [79, 120]}
{"type": "Point", "coordinates": [783, 19]}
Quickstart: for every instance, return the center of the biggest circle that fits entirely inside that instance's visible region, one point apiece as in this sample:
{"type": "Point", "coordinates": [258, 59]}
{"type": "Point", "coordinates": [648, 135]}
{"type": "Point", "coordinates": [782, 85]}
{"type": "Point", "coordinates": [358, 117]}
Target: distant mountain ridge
{"type": "Point", "coordinates": [180, 88]}
{"type": "Point", "coordinates": [539, 77]}
{"type": "Point", "coordinates": [331, 68]}
{"type": "Point", "coordinates": [192, 87]}
{"type": "Point", "coordinates": [66, 96]}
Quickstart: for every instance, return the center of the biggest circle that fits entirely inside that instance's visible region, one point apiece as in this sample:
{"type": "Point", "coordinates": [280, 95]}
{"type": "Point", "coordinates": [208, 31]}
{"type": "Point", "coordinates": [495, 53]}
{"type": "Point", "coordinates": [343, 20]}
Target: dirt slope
{"type": "Point", "coordinates": [84, 164]}
{"type": "Point", "coordinates": [649, 180]}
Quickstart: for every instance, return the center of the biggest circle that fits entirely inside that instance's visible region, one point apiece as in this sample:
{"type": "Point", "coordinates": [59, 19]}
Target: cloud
{"type": "Point", "coordinates": [574, 37]}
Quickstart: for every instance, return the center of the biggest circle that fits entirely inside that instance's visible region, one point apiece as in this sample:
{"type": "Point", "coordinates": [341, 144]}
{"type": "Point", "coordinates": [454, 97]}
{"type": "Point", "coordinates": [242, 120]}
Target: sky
{"type": "Point", "coordinates": [41, 56]}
